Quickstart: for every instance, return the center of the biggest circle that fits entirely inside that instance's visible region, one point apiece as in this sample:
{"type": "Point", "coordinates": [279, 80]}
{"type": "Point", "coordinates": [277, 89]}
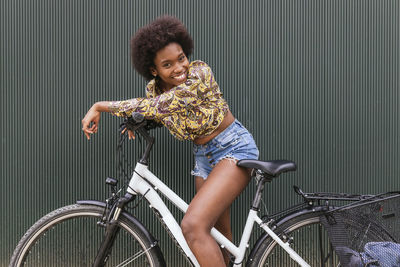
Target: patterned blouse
{"type": "Point", "coordinates": [192, 109]}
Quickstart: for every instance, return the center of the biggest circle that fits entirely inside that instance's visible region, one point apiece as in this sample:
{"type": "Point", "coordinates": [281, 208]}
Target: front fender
{"type": "Point", "coordinates": [127, 215]}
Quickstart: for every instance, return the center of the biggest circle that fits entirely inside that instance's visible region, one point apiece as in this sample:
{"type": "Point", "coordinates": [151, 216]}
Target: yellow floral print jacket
{"type": "Point", "coordinates": [190, 110]}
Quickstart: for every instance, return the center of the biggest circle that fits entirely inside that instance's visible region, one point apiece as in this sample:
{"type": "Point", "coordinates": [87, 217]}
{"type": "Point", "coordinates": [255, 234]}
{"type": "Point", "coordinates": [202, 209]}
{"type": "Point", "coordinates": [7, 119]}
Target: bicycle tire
{"type": "Point", "coordinates": [306, 231]}
{"type": "Point", "coordinates": [80, 239]}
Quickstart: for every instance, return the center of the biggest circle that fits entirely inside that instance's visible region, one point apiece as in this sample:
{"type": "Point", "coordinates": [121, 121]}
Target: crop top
{"type": "Point", "coordinates": [192, 109]}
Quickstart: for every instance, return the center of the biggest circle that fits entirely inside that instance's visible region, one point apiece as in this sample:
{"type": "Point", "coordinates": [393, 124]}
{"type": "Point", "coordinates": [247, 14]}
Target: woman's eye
{"type": "Point", "coordinates": [167, 65]}
{"type": "Point", "coordinates": [182, 58]}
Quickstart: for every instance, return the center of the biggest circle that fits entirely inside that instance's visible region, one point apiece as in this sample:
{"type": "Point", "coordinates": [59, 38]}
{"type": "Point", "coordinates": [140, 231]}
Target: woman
{"type": "Point", "coordinates": [186, 99]}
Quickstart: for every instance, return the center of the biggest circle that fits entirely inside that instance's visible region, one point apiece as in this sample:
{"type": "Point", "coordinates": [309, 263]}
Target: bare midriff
{"type": "Point", "coordinates": [228, 120]}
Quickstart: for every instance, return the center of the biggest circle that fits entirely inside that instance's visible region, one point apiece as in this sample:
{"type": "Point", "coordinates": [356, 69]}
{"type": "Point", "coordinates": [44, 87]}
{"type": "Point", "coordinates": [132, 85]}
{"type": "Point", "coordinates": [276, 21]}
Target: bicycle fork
{"type": "Point", "coordinates": [111, 231]}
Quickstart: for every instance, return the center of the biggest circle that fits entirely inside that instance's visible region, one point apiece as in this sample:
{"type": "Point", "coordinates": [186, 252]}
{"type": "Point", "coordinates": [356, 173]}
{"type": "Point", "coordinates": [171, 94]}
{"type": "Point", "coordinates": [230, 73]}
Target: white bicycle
{"type": "Point", "coordinates": [94, 233]}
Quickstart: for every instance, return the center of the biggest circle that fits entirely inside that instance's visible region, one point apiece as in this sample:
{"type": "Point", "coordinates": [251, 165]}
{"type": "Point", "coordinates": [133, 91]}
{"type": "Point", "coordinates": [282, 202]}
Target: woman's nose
{"type": "Point", "coordinates": [179, 68]}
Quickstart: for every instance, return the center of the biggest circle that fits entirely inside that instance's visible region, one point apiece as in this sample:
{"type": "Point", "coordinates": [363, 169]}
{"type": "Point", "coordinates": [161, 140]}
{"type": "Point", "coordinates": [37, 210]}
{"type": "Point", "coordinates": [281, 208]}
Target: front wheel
{"type": "Point", "coordinates": [70, 236]}
{"type": "Point", "coordinates": [308, 238]}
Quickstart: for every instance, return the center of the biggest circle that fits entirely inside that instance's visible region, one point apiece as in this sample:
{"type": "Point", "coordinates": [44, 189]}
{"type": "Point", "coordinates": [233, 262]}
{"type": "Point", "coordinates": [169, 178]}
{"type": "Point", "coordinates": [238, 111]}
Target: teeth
{"type": "Point", "coordinates": [180, 77]}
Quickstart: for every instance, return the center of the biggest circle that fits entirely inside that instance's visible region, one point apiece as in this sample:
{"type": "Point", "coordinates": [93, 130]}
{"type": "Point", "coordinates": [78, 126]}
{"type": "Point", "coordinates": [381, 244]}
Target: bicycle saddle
{"type": "Point", "coordinates": [272, 167]}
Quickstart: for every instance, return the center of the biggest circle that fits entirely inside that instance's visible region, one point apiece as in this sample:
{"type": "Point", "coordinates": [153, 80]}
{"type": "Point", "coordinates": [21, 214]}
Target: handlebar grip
{"type": "Point", "coordinates": [137, 117]}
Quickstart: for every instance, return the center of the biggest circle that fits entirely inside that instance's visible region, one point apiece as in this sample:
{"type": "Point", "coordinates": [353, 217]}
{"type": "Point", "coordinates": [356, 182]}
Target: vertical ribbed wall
{"type": "Point", "coordinates": [316, 82]}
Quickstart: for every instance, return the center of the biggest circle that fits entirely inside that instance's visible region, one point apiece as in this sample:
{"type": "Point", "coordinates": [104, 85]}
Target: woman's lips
{"type": "Point", "coordinates": [181, 77]}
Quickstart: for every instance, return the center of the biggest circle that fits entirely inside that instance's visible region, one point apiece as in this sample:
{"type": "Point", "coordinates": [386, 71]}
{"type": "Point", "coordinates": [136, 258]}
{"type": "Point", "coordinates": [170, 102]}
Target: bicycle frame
{"type": "Point", "coordinates": [144, 182]}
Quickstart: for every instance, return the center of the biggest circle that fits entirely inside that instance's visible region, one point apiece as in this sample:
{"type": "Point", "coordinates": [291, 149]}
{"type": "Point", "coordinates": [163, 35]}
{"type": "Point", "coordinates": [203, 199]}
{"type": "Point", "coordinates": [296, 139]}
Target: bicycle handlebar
{"type": "Point", "coordinates": [137, 121]}
{"type": "Point", "coordinates": [137, 117]}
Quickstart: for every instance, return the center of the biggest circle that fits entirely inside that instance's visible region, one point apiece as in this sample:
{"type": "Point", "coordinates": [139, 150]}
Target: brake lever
{"type": "Point", "coordinates": [152, 125]}
{"type": "Point", "coordinates": [136, 126]}
{"type": "Point", "coordinates": [122, 126]}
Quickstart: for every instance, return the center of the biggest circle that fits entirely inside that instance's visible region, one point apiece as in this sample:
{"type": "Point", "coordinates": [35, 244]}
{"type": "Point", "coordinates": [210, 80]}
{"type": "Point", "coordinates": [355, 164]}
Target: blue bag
{"type": "Point", "coordinates": [385, 254]}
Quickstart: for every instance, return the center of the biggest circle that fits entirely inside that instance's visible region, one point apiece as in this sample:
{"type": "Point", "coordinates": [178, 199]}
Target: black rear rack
{"type": "Point", "coordinates": [312, 200]}
{"type": "Point", "coordinates": [339, 196]}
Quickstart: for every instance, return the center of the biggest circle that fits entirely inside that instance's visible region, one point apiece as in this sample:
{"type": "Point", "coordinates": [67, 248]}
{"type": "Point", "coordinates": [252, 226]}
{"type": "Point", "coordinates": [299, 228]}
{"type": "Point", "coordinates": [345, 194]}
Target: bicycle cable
{"type": "Point", "coordinates": [124, 168]}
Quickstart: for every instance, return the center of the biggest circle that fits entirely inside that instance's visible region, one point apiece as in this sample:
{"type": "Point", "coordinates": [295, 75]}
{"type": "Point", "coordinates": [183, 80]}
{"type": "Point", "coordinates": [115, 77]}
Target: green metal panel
{"type": "Point", "coordinates": [316, 82]}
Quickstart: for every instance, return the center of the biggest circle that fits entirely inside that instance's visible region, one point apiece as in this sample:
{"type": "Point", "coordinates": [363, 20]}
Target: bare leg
{"type": "Point", "coordinates": [225, 182]}
{"type": "Point", "coordinates": [223, 224]}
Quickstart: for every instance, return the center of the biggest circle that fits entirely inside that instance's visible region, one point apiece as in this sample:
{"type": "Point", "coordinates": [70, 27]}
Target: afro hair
{"type": "Point", "coordinates": [151, 38]}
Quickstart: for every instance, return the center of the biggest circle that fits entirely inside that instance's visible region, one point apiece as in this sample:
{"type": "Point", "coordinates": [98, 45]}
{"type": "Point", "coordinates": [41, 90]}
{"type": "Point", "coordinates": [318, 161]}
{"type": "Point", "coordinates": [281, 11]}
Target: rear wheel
{"type": "Point", "coordinates": [70, 236]}
{"type": "Point", "coordinates": [309, 239]}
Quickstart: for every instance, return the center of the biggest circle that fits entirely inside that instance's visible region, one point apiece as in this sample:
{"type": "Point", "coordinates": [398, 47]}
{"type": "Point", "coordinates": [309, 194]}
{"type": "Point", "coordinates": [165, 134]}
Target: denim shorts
{"type": "Point", "coordinates": [235, 142]}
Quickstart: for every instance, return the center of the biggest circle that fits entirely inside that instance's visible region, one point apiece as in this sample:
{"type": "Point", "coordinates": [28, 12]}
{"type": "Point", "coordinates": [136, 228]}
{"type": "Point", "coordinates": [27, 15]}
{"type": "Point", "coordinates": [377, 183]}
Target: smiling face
{"type": "Point", "coordinates": [171, 65]}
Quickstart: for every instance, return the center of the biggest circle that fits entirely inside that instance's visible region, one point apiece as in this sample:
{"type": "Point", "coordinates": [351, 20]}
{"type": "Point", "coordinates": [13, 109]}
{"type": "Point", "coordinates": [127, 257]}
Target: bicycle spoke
{"type": "Point", "coordinates": [67, 239]}
{"type": "Point", "coordinates": [134, 257]}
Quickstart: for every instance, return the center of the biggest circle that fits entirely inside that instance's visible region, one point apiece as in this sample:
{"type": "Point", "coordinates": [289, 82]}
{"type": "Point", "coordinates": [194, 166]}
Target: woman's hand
{"type": "Point", "coordinates": [90, 123]}
{"type": "Point", "coordinates": [131, 134]}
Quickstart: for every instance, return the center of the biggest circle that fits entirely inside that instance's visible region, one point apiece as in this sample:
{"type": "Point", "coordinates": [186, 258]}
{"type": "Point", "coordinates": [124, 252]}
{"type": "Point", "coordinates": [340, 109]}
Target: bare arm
{"type": "Point", "coordinates": [90, 123]}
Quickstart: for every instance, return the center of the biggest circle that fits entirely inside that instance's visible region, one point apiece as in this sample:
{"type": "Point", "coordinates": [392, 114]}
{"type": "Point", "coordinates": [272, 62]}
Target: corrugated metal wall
{"type": "Point", "coordinates": [315, 81]}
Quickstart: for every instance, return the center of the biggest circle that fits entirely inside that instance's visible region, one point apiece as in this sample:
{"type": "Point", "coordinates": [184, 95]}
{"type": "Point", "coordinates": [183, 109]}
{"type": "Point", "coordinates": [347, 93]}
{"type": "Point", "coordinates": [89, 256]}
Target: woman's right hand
{"type": "Point", "coordinates": [90, 123]}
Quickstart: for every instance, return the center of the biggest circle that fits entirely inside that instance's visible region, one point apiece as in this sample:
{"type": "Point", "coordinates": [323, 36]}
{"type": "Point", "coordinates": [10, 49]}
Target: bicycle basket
{"type": "Point", "coordinates": [353, 229]}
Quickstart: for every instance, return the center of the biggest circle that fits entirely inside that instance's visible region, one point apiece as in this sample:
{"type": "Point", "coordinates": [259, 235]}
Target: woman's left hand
{"type": "Point", "coordinates": [131, 134]}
